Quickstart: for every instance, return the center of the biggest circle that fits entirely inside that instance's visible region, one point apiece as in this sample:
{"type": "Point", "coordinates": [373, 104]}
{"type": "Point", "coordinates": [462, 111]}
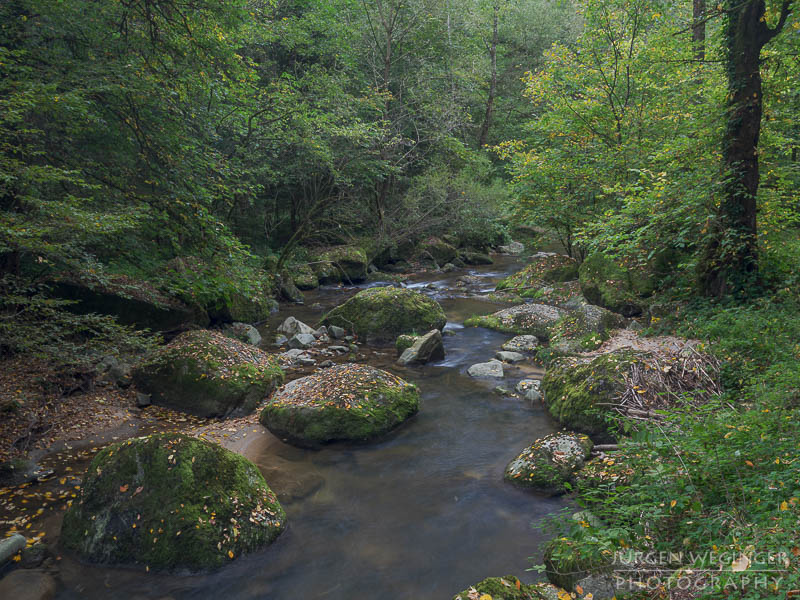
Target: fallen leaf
{"type": "Point", "coordinates": [123, 488]}
{"type": "Point", "coordinates": [740, 564]}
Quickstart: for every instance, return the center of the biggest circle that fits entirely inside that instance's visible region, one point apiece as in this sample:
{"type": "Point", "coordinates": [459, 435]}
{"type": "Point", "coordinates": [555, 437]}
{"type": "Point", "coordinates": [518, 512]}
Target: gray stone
{"type": "Point", "coordinates": [34, 556]}
{"type": "Point", "coordinates": [335, 332]}
{"type": "Point", "coordinates": [280, 340]}
{"type": "Point", "coordinates": [522, 343]}
{"type": "Point", "coordinates": [306, 361]}
{"type": "Point", "coordinates": [10, 546]}
{"type": "Point", "coordinates": [293, 354]}
{"type": "Point", "coordinates": [292, 326]}
{"type": "Point", "coordinates": [601, 586]}
{"type": "Point", "coordinates": [448, 268]}
{"type": "Point", "coordinates": [325, 364]}
{"type": "Point", "coordinates": [142, 400]}
{"type": "Point", "coordinates": [426, 348]}
{"type": "Point", "coordinates": [493, 368]}
{"type": "Point", "coordinates": [509, 357]}
{"type": "Point", "coordinates": [244, 333]}
{"type": "Point", "coordinates": [302, 340]}
{"type": "Point", "coordinates": [25, 584]}
{"type": "Point", "coordinates": [322, 331]}
{"type": "Point", "coordinates": [512, 248]}
{"type": "Point", "coordinates": [339, 349]}
{"type": "Point", "coordinates": [501, 391]}
{"type": "Point", "coordinates": [530, 389]}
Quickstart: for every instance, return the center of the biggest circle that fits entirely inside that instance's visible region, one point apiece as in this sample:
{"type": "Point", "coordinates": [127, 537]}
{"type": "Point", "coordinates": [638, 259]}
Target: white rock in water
{"type": "Point", "coordinates": [493, 368]}
{"type": "Point", "coordinates": [510, 357]}
{"type": "Point", "coordinates": [292, 326]}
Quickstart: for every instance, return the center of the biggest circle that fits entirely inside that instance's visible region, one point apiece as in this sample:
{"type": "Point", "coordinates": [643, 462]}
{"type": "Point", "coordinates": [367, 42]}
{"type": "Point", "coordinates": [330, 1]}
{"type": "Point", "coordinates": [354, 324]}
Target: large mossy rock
{"type": "Point", "coordinates": [383, 313]}
{"type": "Point", "coordinates": [527, 319]}
{"type": "Point", "coordinates": [132, 302]}
{"type": "Point", "coordinates": [580, 394]}
{"type": "Point", "coordinates": [544, 267]}
{"type": "Point", "coordinates": [229, 294]}
{"type": "Point", "coordinates": [510, 588]}
{"type": "Point", "coordinates": [168, 502]}
{"type": "Point", "coordinates": [304, 277]}
{"type": "Point", "coordinates": [551, 463]}
{"type": "Point", "coordinates": [438, 250]}
{"type": "Point", "coordinates": [585, 328]}
{"type": "Point", "coordinates": [208, 374]}
{"type": "Point", "coordinates": [341, 264]}
{"type": "Point", "coordinates": [616, 287]}
{"type": "Point", "coordinates": [347, 402]}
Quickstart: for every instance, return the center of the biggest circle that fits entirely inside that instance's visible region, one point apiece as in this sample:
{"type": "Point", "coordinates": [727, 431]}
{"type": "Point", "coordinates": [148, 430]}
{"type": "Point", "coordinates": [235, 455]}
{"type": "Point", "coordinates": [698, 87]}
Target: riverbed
{"type": "Point", "coordinates": [422, 514]}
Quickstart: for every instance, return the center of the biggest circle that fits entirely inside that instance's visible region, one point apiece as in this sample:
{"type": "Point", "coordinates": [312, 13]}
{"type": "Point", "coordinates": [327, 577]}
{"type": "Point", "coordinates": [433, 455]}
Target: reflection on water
{"type": "Point", "coordinates": [422, 514]}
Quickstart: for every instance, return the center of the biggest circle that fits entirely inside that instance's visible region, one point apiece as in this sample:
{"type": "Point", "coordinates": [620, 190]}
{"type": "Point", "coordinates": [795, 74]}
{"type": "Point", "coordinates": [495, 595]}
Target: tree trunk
{"type": "Point", "coordinates": [730, 263]}
{"type": "Point", "coordinates": [487, 119]}
{"type": "Point", "coordinates": [699, 29]}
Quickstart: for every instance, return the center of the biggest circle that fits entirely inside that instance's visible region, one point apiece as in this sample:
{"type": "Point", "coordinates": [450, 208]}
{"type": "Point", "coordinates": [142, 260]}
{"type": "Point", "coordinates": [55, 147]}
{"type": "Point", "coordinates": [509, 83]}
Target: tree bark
{"type": "Point", "coordinates": [730, 262]}
{"type": "Point", "coordinates": [487, 119]}
{"type": "Point", "coordinates": [699, 29]}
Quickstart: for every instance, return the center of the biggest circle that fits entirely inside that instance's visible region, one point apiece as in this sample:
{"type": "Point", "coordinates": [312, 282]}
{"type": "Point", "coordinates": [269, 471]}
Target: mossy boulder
{"type": "Point", "coordinates": [617, 287]}
{"type": "Point", "coordinates": [438, 250]}
{"type": "Point", "coordinates": [470, 257]}
{"type": "Point", "coordinates": [169, 502]}
{"type": "Point", "coordinates": [550, 464]}
{"type": "Point", "coordinates": [383, 313]}
{"type": "Point", "coordinates": [583, 329]}
{"type": "Point", "coordinates": [404, 342]}
{"type": "Point", "coordinates": [509, 588]}
{"type": "Point", "coordinates": [525, 319]}
{"type": "Point", "coordinates": [543, 268]}
{"type": "Point", "coordinates": [347, 402]}
{"type": "Point", "coordinates": [208, 374]}
{"type": "Point", "coordinates": [304, 277]}
{"type": "Point", "coordinates": [341, 264]}
{"type": "Point", "coordinates": [580, 393]}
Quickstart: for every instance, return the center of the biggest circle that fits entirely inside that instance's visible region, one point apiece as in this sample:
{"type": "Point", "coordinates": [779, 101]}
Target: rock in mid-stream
{"type": "Point", "coordinates": [550, 463]}
{"type": "Point", "coordinates": [171, 501]}
{"type": "Point", "coordinates": [426, 348]}
{"type": "Point", "coordinates": [347, 402]}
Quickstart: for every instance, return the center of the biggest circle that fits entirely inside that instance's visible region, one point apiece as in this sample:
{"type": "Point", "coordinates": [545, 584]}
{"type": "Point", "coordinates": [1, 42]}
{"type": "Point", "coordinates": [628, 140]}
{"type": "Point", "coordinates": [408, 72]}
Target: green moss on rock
{"type": "Point", "coordinates": [168, 502]}
{"type": "Point", "coordinates": [545, 267]}
{"type": "Point", "coordinates": [438, 249]}
{"type": "Point", "coordinates": [304, 277]}
{"type": "Point", "coordinates": [208, 374]}
{"type": "Point", "coordinates": [346, 264]}
{"type": "Point", "coordinates": [404, 342]}
{"type": "Point", "coordinates": [616, 287]}
{"type": "Point", "coordinates": [383, 313]}
{"type": "Point", "coordinates": [509, 588]}
{"type": "Point", "coordinates": [347, 402]}
{"type": "Point", "coordinates": [550, 464]}
{"type": "Point", "coordinates": [583, 329]}
{"type": "Point", "coordinates": [530, 319]}
{"type": "Point", "coordinates": [579, 393]}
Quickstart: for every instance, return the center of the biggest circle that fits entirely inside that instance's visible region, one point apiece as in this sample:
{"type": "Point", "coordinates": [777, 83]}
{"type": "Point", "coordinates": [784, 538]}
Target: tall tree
{"type": "Point", "coordinates": [730, 262]}
{"type": "Point", "coordinates": [492, 47]}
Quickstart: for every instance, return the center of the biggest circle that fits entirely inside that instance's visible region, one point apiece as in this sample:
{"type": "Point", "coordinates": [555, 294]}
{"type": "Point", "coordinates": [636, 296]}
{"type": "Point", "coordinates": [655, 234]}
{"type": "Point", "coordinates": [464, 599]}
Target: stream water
{"type": "Point", "coordinates": [422, 514]}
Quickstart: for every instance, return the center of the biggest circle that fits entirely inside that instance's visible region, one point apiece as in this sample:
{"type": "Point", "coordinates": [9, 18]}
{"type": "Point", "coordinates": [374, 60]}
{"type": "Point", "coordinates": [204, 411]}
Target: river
{"type": "Point", "coordinates": [422, 514]}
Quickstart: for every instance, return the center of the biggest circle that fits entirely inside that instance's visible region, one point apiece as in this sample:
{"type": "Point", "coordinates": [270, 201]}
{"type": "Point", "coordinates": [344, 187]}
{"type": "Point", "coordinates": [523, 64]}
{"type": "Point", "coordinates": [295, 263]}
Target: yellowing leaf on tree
{"type": "Point", "coordinates": [784, 505]}
{"type": "Point", "coordinates": [673, 503]}
{"type": "Point", "coordinates": [485, 597]}
{"type": "Point", "coordinates": [749, 463]}
{"type": "Point", "coordinates": [230, 553]}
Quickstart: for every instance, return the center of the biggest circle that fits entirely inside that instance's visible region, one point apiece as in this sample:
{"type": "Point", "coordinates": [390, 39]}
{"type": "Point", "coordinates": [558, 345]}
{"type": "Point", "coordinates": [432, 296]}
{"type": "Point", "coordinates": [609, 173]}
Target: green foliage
{"type": "Point", "coordinates": [35, 324]}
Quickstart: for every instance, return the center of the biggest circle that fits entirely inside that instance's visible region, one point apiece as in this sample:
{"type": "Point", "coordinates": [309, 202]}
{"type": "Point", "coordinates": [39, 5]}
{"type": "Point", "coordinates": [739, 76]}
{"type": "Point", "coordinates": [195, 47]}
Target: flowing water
{"type": "Point", "coordinates": [422, 514]}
